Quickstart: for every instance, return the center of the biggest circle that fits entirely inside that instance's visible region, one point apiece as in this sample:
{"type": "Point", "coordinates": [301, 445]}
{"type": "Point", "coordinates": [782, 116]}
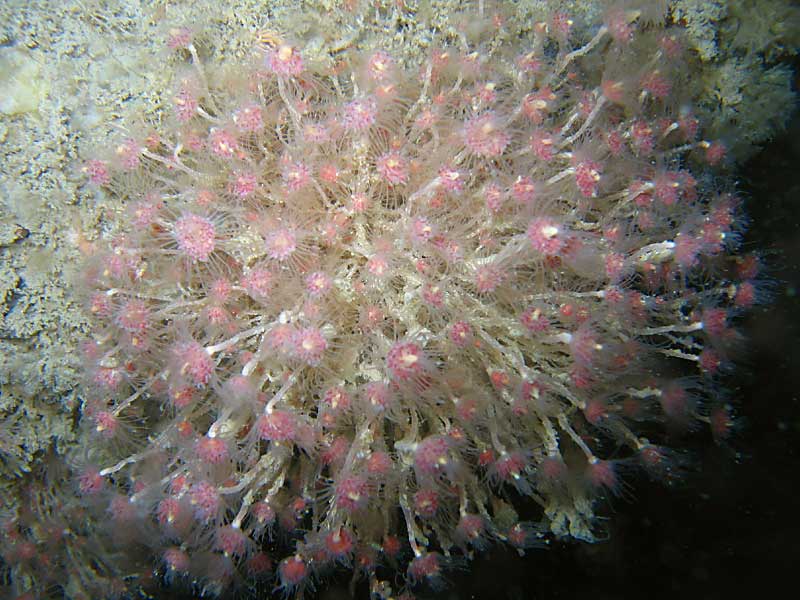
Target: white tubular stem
{"type": "Point", "coordinates": [583, 50]}
{"type": "Point", "coordinates": [671, 329]}
{"type": "Point", "coordinates": [586, 124]}
{"type": "Point", "coordinates": [132, 398]}
{"type": "Point", "coordinates": [198, 65]}
{"type": "Point", "coordinates": [212, 350]}
{"type": "Point", "coordinates": [567, 428]}
{"type": "Point", "coordinates": [281, 392]}
{"type": "Point", "coordinates": [560, 175]}
{"type": "Point", "coordinates": [172, 164]}
{"type": "Point", "coordinates": [289, 106]}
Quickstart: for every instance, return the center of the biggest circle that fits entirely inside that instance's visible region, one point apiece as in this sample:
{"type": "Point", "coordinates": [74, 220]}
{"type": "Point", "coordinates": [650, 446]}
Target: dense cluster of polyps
{"type": "Point", "coordinates": [356, 318]}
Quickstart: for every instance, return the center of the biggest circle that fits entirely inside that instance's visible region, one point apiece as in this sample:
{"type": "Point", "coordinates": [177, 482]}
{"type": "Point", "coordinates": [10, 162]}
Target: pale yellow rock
{"type": "Point", "coordinates": [22, 82]}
